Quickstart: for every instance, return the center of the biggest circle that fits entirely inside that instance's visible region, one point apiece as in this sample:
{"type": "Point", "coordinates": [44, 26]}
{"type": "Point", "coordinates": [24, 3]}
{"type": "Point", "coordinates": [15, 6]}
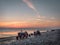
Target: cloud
{"type": "Point", "coordinates": [41, 17]}
{"type": "Point", "coordinates": [30, 5]}
{"type": "Point", "coordinates": [52, 18]}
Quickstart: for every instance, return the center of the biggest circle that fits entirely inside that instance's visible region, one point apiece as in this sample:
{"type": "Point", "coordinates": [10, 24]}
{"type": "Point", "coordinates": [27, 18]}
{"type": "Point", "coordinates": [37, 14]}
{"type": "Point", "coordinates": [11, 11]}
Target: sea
{"type": "Point", "coordinates": [8, 32]}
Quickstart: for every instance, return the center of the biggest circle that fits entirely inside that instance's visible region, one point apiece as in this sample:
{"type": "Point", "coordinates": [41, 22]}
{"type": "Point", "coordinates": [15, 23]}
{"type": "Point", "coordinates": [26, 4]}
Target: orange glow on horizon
{"type": "Point", "coordinates": [28, 24]}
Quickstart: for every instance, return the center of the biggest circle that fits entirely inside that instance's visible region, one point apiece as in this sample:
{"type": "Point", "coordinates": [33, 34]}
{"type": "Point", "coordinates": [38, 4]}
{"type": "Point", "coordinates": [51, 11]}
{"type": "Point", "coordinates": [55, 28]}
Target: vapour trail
{"type": "Point", "coordinates": [30, 5]}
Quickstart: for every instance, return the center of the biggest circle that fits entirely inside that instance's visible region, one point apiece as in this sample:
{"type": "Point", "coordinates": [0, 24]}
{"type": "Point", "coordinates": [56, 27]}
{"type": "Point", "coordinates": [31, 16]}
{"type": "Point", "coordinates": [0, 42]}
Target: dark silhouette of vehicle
{"type": "Point", "coordinates": [22, 35]}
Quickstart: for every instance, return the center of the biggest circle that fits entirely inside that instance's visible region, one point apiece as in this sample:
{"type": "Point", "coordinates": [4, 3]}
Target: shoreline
{"type": "Point", "coordinates": [6, 38]}
{"type": "Point", "coordinates": [47, 37]}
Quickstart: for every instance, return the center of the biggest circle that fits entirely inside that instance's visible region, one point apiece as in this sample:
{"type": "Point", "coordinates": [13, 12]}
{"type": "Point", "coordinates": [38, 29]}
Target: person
{"type": "Point", "coordinates": [29, 35]}
{"type": "Point", "coordinates": [26, 34]}
{"type": "Point", "coordinates": [37, 33]}
{"type": "Point", "coordinates": [17, 37]}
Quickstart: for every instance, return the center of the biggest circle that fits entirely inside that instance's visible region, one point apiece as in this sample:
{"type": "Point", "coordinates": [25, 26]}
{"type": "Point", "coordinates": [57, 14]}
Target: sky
{"type": "Point", "coordinates": [30, 13]}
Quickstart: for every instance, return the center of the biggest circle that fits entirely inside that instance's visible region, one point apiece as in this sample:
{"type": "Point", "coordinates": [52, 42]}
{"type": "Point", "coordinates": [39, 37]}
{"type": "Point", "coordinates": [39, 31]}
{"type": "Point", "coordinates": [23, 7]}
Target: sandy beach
{"type": "Point", "coordinates": [47, 38]}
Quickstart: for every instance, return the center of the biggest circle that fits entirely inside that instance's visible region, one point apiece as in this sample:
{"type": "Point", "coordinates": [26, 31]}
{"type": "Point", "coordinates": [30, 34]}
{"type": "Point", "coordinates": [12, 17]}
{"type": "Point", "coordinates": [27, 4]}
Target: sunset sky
{"type": "Point", "coordinates": [30, 13]}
